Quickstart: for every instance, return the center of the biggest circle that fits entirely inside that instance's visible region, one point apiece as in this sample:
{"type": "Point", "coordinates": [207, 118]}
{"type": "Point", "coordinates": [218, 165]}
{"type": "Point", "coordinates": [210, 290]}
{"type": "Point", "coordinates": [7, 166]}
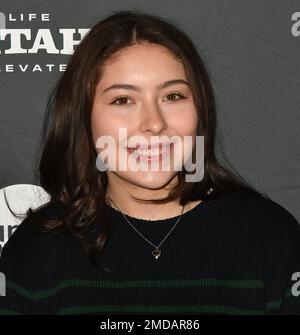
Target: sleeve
{"type": "Point", "coordinates": [282, 263]}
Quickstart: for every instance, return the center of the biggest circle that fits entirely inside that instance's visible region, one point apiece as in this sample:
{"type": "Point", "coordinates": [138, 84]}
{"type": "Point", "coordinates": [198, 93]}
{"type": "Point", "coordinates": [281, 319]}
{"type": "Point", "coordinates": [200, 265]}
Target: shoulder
{"type": "Point", "coordinates": [258, 206]}
{"type": "Point", "coordinates": [265, 215]}
{"type": "Point", "coordinates": [32, 261]}
{"type": "Point", "coordinates": [28, 245]}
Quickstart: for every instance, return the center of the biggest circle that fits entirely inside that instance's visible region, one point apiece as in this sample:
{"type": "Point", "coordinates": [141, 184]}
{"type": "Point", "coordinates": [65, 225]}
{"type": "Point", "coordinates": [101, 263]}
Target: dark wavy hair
{"type": "Point", "coordinates": [67, 156]}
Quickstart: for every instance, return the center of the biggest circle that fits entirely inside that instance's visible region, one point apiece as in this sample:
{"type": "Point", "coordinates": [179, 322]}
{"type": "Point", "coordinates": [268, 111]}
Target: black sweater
{"type": "Point", "coordinates": [227, 255]}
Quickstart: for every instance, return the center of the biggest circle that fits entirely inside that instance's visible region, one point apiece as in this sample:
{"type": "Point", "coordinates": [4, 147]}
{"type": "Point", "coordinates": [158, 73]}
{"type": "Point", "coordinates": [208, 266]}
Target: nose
{"type": "Point", "coordinates": [152, 119]}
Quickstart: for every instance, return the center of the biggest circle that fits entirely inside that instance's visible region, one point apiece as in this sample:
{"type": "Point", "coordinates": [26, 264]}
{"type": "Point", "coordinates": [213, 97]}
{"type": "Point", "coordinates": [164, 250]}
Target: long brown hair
{"type": "Point", "coordinates": [67, 153]}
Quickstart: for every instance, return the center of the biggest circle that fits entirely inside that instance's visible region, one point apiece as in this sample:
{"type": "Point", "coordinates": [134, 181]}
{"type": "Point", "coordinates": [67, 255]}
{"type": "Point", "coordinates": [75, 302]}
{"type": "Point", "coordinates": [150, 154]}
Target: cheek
{"type": "Point", "coordinates": [100, 123]}
{"type": "Point", "coordinates": [185, 123]}
{"type": "Point", "coordinates": [103, 125]}
{"type": "Point", "coordinates": [108, 126]}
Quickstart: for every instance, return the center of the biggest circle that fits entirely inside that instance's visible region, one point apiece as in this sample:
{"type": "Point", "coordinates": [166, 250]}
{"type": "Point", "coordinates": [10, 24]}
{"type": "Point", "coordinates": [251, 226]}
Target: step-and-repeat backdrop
{"type": "Point", "coordinates": [251, 49]}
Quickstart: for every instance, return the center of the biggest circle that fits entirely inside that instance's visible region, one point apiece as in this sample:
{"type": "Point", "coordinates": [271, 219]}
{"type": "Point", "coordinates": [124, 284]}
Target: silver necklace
{"type": "Point", "coordinates": [155, 252]}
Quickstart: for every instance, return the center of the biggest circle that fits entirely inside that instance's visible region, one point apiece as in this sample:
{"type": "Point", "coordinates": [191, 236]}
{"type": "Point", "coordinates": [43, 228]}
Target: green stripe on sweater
{"type": "Point", "coordinates": [239, 284]}
{"type": "Point", "coordinates": [276, 304]}
{"type": "Point", "coordinates": [8, 312]}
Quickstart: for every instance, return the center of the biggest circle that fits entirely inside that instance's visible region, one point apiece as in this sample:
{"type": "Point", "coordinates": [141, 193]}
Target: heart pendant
{"type": "Point", "coordinates": [156, 253]}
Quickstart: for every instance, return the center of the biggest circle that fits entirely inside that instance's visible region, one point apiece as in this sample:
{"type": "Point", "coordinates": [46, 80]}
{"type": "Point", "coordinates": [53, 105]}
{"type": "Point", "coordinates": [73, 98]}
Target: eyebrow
{"type": "Point", "coordinates": [136, 88]}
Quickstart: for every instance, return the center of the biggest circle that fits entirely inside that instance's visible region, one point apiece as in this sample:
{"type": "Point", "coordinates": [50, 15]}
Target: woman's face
{"type": "Point", "coordinates": [144, 107]}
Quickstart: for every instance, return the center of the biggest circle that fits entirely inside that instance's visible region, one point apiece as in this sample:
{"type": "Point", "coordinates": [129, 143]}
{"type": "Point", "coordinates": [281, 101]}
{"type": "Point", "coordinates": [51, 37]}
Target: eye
{"type": "Point", "coordinates": [124, 98]}
{"type": "Point", "coordinates": [121, 98]}
{"type": "Point", "coordinates": [174, 94]}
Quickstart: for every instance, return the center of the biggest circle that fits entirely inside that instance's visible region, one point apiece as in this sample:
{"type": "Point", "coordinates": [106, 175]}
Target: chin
{"type": "Point", "coordinates": [150, 180]}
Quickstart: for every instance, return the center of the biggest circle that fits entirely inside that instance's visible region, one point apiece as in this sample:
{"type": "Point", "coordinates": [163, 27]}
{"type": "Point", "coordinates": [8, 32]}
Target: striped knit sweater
{"type": "Point", "coordinates": [226, 256]}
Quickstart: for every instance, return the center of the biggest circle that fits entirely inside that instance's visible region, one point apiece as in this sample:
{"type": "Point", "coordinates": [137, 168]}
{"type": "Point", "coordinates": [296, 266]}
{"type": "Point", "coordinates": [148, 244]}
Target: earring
{"type": "Point", "coordinates": [209, 190]}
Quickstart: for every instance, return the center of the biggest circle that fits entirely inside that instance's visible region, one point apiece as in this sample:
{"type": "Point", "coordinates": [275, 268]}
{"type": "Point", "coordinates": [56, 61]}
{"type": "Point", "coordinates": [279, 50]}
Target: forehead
{"type": "Point", "coordinates": [142, 61]}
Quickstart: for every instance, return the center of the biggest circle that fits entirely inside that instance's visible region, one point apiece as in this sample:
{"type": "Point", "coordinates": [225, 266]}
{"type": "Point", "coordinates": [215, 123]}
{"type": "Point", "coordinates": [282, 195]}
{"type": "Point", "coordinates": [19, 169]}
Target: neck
{"type": "Point", "coordinates": [119, 197]}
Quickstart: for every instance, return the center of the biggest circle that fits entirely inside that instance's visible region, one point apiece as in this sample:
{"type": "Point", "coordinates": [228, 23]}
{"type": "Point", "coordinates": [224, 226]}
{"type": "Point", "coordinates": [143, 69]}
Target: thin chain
{"type": "Point", "coordinates": [143, 235]}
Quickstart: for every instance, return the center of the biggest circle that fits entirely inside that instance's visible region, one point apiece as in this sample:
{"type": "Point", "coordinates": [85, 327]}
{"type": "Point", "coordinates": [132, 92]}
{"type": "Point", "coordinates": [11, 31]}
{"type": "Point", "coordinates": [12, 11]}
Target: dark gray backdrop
{"type": "Point", "coordinates": [250, 47]}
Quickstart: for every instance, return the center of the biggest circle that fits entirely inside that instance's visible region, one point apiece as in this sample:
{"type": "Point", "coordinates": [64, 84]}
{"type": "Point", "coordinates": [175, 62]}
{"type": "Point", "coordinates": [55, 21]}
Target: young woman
{"type": "Point", "coordinates": [124, 241]}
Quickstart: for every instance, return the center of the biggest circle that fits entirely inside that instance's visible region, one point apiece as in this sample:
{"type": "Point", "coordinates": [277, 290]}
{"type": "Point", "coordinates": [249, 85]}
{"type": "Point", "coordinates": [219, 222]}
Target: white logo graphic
{"type": "Point", "coordinates": [20, 198]}
{"type": "Point", "coordinates": [27, 41]}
